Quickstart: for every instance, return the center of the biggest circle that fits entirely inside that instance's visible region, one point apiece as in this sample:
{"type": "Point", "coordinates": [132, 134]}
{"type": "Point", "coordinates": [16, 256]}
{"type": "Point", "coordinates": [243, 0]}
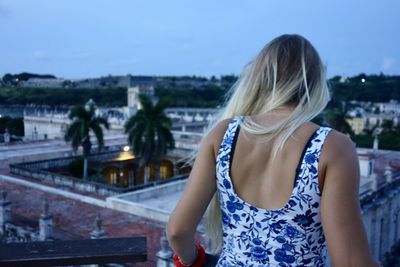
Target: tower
{"type": "Point", "coordinates": [133, 97]}
{"type": "Point", "coordinates": [133, 100]}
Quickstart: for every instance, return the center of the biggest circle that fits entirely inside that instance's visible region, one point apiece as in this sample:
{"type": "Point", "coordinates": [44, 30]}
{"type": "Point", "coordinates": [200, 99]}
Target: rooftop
{"type": "Point", "coordinates": [74, 219]}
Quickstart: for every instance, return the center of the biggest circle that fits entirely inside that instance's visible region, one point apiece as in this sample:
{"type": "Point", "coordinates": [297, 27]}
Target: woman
{"type": "Point", "coordinates": [283, 186]}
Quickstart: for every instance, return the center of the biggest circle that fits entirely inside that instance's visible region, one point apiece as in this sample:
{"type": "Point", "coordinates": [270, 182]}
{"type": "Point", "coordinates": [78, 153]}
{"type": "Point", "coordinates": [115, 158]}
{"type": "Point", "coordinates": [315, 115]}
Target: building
{"type": "Point", "coordinates": [109, 172]}
{"type": "Point", "coordinates": [42, 124]}
{"type": "Point", "coordinates": [378, 120]}
{"type": "Point", "coordinates": [188, 124]}
{"type": "Point", "coordinates": [126, 170]}
{"type": "Point", "coordinates": [357, 124]}
{"type": "Point", "coordinates": [393, 106]}
{"type": "Point", "coordinates": [371, 115]}
{"type": "Point", "coordinates": [42, 83]}
{"type": "Point", "coordinates": [380, 198]}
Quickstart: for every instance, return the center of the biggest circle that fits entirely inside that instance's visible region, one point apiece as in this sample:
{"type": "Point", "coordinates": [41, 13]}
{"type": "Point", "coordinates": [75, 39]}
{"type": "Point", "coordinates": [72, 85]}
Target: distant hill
{"type": "Point", "coordinates": [24, 76]}
{"type": "Point", "coordinates": [184, 91]}
{"type": "Point", "coordinates": [374, 88]}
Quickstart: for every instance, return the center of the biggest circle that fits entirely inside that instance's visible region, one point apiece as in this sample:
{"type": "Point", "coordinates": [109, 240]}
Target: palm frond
{"type": "Point", "coordinates": [77, 112]}
{"type": "Point", "coordinates": [146, 103]}
{"type": "Point", "coordinates": [101, 121]}
{"type": "Point", "coordinates": [135, 138]}
{"type": "Point", "coordinates": [165, 121]}
{"type": "Point", "coordinates": [73, 134]}
{"type": "Point", "coordinates": [84, 128]}
{"type": "Point", "coordinates": [165, 139]}
{"type": "Point", "coordinates": [138, 118]}
{"type": "Point", "coordinates": [92, 111]}
{"type": "Point", "coordinates": [162, 104]}
{"type": "Point", "coordinates": [98, 131]}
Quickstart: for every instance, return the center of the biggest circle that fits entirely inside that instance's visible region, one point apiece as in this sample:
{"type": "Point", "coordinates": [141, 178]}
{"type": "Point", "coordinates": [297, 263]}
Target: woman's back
{"type": "Point", "coordinates": [255, 232]}
{"type": "Point", "coordinates": [261, 179]}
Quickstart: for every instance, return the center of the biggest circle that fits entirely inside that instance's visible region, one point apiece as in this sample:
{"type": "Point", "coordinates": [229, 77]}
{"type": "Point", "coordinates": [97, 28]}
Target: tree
{"type": "Point", "coordinates": [389, 137]}
{"type": "Point", "coordinates": [84, 121]}
{"type": "Point", "coordinates": [15, 126]}
{"type": "Point", "coordinates": [7, 78]}
{"type": "Point", "coordinates": [337, 120]}
{"type": "Point", "coordinates": [149, 133]}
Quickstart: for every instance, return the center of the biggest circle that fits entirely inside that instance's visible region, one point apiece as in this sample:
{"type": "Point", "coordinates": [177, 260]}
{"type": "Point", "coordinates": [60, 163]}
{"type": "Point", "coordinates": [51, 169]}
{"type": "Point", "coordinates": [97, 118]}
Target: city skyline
{"type": "Point", "coordinates": [72, 39]}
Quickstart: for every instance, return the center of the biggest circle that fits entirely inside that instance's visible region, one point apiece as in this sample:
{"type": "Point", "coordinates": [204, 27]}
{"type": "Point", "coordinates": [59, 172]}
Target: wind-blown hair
{"type": "Point", "coordinates": [287, 71]}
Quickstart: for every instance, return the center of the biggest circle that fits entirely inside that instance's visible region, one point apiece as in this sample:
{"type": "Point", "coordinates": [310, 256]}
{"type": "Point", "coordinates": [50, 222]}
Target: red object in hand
{"type": "Point", "coordinates": [201, 258]}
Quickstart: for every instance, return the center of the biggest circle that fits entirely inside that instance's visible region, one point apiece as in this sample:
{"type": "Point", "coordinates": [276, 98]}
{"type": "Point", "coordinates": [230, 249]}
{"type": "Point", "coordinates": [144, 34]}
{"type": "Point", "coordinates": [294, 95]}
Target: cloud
{"type": "Point", "coordinates": [41, 55]}
{"type": "Point", "coordinates": [388, 64]}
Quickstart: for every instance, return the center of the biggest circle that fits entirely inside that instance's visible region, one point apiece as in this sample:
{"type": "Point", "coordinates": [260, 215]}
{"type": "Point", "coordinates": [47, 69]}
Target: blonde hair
{"type": "Point", "coordinates": [287, 71]}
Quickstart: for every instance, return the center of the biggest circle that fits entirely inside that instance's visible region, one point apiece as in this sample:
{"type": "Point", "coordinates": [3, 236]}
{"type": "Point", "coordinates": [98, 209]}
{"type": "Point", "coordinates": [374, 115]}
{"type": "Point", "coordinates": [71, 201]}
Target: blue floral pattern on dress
{"type": "Point", "coordinates": [290, 236]}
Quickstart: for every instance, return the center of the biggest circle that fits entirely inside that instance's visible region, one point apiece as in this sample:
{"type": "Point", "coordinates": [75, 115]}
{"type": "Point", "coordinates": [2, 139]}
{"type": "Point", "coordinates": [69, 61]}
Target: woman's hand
{"type": "Point", "coordinates": [198, 192]}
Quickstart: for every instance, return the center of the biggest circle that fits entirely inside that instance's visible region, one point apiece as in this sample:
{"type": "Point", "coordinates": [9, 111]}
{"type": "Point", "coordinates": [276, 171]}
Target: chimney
{"type": "Point", "coordinates": [98, 233]}
{"type": "Point", "coordinates": [164, 256]}
{"type": "Point", "coordinates": [5, 211]}
{"type": "Point", "coordinates": [376, 143]}
{"type": "Point", "coordinates": [388, 173]}
{"type": "Point", "coordinates": [45, 223]}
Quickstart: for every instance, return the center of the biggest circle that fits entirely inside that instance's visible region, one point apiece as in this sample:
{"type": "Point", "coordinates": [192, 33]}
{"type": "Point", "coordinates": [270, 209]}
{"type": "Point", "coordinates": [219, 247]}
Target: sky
{"type": "Point", "coordinates": [93, 38]}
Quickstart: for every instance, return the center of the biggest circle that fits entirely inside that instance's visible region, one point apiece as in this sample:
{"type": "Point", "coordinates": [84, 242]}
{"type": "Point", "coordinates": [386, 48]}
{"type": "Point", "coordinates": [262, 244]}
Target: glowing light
{"type": "Point", "coordinates": [126, 148]}
{"type": "Point", "coordinates": [363, 80]}
{"type": "Point", "coordinates": [125, 156]}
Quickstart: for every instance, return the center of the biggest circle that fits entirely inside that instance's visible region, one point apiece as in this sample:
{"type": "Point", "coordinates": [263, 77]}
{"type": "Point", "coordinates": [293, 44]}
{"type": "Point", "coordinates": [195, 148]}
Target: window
{"type": "Point", "coordinates": [113, 177]}
{"type": "Point", "coordinates": [163, 171]}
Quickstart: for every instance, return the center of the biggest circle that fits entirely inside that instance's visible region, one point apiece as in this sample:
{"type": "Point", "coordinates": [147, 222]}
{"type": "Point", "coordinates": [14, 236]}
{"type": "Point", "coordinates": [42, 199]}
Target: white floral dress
{"type": "Point", "coordinates": [290, 236]}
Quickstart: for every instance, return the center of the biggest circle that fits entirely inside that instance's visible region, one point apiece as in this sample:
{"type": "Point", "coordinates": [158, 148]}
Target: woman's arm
{"type": "Point", "coordinates": [340, 207]}
{"type": "Point", "coordinates": [198, 192]}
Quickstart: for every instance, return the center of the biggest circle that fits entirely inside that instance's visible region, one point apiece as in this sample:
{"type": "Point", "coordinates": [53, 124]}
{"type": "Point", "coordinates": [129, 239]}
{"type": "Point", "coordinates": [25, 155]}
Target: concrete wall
{"type": "Point", "coordinates": [37, 170]}
{"type": "Point", "coordinates": [381, 216]}
{"type": "Point", "coordinates": [4, 163]}
{"type": "Point", "coordinates": [39, 128]}
{"type": "Point", "coordinates": [142, 202]}
{"type": "Point", "coordinates": [65, 161]}
{"type": "Point", "coordinates": [66, 181]}
{"type": "Point", "coordinates": [49, 126]}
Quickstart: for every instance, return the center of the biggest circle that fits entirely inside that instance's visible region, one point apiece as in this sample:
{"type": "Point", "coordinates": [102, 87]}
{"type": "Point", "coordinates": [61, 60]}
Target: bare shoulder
{"type": "Point", "coordinates": [339, 160]}
{"type": "Point", "coordinates": [215, 136]}
{"type": "Point", "coordinates": [339, 145]}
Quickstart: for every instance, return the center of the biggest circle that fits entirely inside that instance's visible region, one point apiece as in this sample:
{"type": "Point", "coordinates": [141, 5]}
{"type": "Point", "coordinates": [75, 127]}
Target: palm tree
{"type": "Point", "coordinates": [84, 120]}
{"type": "Point", "coordinates": [149, 133]}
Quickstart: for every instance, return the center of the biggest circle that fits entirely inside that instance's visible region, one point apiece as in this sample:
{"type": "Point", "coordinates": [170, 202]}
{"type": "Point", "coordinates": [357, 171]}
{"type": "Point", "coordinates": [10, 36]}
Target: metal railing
{"type": "Point", "coordinates": [74, 252]}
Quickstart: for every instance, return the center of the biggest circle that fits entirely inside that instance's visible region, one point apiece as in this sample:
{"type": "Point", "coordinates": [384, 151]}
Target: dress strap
{"type": "Point", "coordinates": [226, 148]}
{"type": "Point", "coordinates": [310, 159]}
{"type": "Point", "coordinates": [230, 133]}
{"type": "Point", "coordinates": [323, 133]}
{"type": "Point", "coordinates": [318, 140]}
